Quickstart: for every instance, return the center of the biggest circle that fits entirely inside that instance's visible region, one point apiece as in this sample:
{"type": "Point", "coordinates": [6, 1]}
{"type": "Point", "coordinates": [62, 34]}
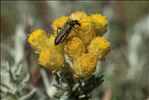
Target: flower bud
{"type": "Point", "coordinates": [85, 65]}
{"type": "Point", "coordinates": [99, 46]}
{"type": "Point", "coordinates": [58, 23]}
{"type": "Point", "coordinates": [74, 48]}
{"type": "Point", "coordinates": [51, 59]}
{"type": "Point", "coordinates": [78, 15]}
{"type": "Point", "coordinates": [38, 40]}
{"type": "Point", "coordinates": [100, 23]}
{"type": "Point", "coordinates": [87, 30]}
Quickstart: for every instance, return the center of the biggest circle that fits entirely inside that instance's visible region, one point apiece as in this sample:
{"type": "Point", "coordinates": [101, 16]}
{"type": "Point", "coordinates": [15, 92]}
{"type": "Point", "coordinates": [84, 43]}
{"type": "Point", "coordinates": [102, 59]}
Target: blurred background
{"type": "Point", "coordinates": [126, 68]}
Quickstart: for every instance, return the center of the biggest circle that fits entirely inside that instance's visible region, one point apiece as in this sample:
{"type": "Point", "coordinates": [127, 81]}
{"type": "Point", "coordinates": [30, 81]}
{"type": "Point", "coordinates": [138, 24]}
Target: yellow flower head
{"type": "Point", "coordinates": [59, 22]}
{"type": "Point", "coordinates": [78, 15]}
{"type": "Point", "coordinates": [37, 39]}
{"type": "Point", "coordinates": [51, 59]}
{"type": "Point", "coordinates": [100, 23]}
{"type": "Point", "coordinates": [85, 65]}
{"type": "Point", "coordinates": [87, 30]}
{"type": "Point", "coordinates": [99, 46]}
{"type": "Point", "coordinates": [74, 48]}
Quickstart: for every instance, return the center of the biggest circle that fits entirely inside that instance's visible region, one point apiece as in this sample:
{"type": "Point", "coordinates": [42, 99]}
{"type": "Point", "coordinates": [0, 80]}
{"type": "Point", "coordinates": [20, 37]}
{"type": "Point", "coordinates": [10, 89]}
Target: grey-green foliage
{"type": "Point", "coordinates": [15, 88]}
{"type": "Point", "coordinates": [75, 89]}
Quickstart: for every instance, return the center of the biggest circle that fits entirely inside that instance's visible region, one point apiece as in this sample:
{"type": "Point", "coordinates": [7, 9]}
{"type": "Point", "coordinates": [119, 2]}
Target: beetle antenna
{"type": "Point", "coordinates": [84, 13]}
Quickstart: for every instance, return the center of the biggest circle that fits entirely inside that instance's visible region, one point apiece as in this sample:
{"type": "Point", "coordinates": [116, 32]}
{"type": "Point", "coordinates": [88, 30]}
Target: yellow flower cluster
{"type": "Point", "coordinates": [84, 45]}
{"type": "Point", "coordinates": [50, 56]}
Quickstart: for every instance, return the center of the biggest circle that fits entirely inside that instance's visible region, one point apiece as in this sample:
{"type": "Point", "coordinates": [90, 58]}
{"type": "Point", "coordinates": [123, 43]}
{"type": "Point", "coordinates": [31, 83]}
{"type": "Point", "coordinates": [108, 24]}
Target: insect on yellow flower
{"type": "Point", "coordinates": [70, 24]}
{"type": "Point", "coordinates": [81, 43]}
{"type": "Point", "coordinates": [64, 32]}
{"type": "Point", "coordinates": [51, 40]}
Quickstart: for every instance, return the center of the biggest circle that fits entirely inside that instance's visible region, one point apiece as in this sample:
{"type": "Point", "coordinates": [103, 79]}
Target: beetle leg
{"type": "Point", "coordinates": [74, 29]}
{"type": "Point", "coordinates": [58, 29]}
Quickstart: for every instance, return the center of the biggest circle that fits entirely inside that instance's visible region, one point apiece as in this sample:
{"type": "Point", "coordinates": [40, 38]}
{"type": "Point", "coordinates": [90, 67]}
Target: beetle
{"type": "Point", "coordinates": [65, 30]}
